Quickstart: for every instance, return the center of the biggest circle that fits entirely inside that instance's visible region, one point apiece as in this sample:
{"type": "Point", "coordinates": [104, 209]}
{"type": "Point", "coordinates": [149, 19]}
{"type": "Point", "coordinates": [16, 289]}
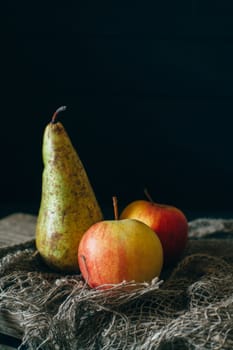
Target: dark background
{"type": "Point", "coordinates": [149, 90]}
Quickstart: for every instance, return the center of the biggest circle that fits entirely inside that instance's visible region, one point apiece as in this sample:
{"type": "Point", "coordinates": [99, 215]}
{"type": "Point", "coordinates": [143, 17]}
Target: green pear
{"type": "Point", "coordinates": [68, 204]}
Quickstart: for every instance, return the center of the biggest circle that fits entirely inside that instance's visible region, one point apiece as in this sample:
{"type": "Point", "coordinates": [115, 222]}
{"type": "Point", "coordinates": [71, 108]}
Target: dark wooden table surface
{"type": "Point", "coordinates": [14, 229]}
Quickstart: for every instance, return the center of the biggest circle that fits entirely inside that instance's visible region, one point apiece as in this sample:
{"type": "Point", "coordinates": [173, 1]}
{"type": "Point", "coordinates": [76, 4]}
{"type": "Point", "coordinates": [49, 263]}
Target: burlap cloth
{"type": "Point", "coordinates": [190, 307]}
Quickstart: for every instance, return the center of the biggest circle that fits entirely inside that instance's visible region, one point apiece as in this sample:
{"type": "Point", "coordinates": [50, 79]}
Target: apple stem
{"type": "Point", "coordinates": [147, 194]}
{"type": "Point", "coordinates": [115, 207]}
{"type": "Point", "coordinates": [59, 110]}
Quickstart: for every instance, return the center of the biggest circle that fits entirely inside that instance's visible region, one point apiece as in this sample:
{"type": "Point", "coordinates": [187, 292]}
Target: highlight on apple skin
{"type": "Point", "coordinates": [114, 251]}
{"type": "Point", "coordinates": [168, 222]}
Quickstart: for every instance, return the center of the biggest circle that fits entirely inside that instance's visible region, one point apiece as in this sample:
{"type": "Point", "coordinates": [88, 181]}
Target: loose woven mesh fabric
{"type": "Point", "coordinates": [189, 307]}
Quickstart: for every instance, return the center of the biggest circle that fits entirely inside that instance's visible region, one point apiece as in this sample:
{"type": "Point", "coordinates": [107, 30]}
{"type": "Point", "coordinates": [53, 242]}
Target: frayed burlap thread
{"type": "Point", "coordinates": [190, 307]}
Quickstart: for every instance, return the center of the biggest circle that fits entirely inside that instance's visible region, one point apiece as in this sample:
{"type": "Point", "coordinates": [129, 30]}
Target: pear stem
{"type": "Point", "coordinates": [59, 110]}
{"type": "Point", "coordinates": [148, 196]}
{"type": "Point", "coordinates": [115, 207]}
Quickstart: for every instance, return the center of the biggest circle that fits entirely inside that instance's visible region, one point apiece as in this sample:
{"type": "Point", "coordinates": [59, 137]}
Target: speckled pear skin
{"type": "Point", "coordinates": [68, 204]}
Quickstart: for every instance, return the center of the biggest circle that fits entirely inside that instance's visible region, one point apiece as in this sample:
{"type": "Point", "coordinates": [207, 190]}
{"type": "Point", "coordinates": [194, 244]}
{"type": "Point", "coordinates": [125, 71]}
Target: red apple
{"type": "Point", "coordinates": [113, 251]}
{"type": "Point", "coordinates": [168, 222]}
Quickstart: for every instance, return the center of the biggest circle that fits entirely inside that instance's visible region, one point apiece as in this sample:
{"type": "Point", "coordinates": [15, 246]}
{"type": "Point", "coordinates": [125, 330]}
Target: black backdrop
{"type": "Point", "coordinates": [149, 89]}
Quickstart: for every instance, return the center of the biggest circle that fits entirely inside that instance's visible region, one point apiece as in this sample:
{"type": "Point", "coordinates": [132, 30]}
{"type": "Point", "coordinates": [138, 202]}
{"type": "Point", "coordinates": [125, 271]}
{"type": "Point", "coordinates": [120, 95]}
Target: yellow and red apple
{"type": "Point", "coordinates": [168, 222]}
{"type": "Point", "coordinates": [114, 251]}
